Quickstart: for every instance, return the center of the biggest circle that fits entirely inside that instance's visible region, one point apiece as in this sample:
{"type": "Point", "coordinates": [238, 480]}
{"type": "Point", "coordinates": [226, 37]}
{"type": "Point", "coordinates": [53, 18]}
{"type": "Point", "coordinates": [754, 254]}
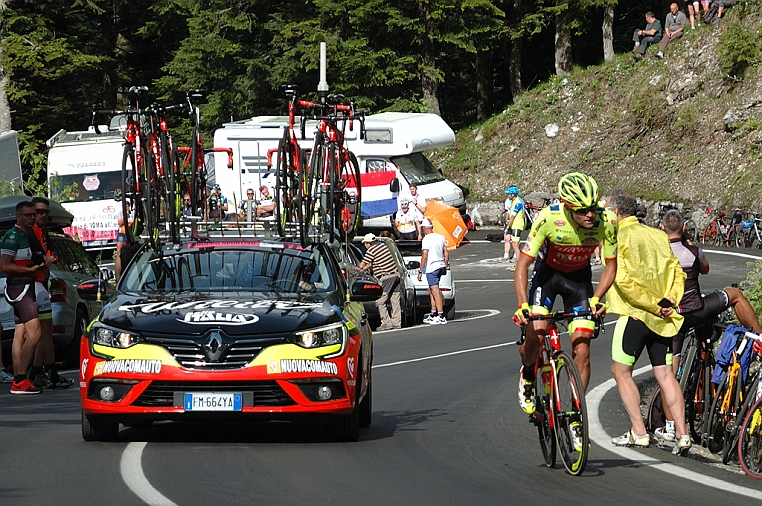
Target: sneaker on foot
{"type": "Point", "coordinates": [659, 55]}
{"type": "Point", "coordinates": [6, 377]}
{"type": "Point", "coordinates": [637, 45]}
{"type": "Point", "coordinates": [526, 389]}
{"type": "Point", "coordinates": [638, 56]}
{"type": "Point", "coordinates": [61, 382]}
{"type": "Point", "coordinates": [24, 387]}
{"type": "Point", "coordinates": [682, 445]}
{"type": "Point", "coordinates": [39, 379]}
{"type": "Point", "coordinates": [428, 318]}
{"type": "Point", "coordinates": [630, 439]}
{"type": "Point", "coordinates": [385, 327]}
{"type": "Point", "coordinates": [439, 320]}
{"type": "Point", "coordinates": [504, 260]}
{"type": "Point", "coordinates": [513, 268]}
{"type": "Point", "coordinates": [576, 439]}
{"type": "Point", "coordinates": [664, 435]}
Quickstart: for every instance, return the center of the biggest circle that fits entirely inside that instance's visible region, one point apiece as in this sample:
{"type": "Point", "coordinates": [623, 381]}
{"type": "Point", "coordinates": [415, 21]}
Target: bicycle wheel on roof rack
{"type": "Point", "coordinates": [152, 202]}
{"type": "Point", "coordinates": [132, 208]}
{"type": "Point", "coordinates": [349, 198]}
{"type": "Point", "coordinates": [175, 194]}
{"type": "Point", "coordinates": [316, 193]}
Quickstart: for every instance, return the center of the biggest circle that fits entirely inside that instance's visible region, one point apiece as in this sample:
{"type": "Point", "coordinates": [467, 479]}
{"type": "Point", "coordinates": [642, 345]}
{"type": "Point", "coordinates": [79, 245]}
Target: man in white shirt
{"type": "Point", "coordinates": [435, 259]}
{"type": "Point", "coordinates": [408, 221]}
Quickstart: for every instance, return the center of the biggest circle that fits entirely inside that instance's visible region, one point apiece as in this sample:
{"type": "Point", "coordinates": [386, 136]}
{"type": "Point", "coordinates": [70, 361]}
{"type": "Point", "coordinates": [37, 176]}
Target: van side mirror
{"type": "Point", "coordinates": [413, 264]}
{"type": "Point", "coordinates": [90, 290]}
{"type": "Point", "coordinates": [394, 185]}
{"type": "Point", "coordinates": [365, 291]}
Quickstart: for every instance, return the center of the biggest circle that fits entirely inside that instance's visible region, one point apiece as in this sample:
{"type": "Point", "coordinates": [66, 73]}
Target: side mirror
{"type": "Point", "coordinates": [413, 264]}
{"type": "Point", "coordinates": [394, 185]}
{"type": "Point", "coordinates": [365, 291]}
{"type": "Point", "coordinates": [89, 290]}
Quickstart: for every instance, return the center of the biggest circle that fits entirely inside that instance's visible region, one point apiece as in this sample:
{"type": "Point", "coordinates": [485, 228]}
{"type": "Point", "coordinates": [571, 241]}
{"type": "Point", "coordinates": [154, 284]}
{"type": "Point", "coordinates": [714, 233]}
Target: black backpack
{"type": "Point", "coordinates": [711, 15]}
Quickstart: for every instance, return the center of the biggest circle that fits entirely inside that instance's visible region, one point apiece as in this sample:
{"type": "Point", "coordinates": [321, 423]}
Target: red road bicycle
{"type": "Point", "coordinates": [559, 397]}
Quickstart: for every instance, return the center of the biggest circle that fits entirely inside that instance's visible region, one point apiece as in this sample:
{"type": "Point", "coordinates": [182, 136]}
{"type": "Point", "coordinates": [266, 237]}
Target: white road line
{"type": "Point", "coordinates": [489, 312]}
{"type": "Point", "coordinates": [732, 254]}
{"type": "Point", "coordinates": [603, 439]}
{"type": "Point", "coordinates": [432, 357]}
{"type": "Point", "coordinates": [132, 474]}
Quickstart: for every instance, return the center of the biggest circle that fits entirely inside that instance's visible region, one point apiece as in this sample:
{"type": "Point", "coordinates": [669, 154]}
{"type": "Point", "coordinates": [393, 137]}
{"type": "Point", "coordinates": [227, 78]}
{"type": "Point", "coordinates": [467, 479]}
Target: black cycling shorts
{"type": "Point", "coordinates": [631, 336]}
{"type": "Point", "coordinates": [714, 304]}
{"type": "Point", "coordinates": [575, 288]}
{"type": "Point", "coordinates": [25, 306]}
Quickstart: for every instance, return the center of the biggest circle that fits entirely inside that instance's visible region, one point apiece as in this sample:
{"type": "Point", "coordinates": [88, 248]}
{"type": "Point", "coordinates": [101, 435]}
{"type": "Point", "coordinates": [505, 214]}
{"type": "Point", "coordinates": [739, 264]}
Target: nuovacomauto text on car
{"type": "Point", "coordinates": [230, 329]}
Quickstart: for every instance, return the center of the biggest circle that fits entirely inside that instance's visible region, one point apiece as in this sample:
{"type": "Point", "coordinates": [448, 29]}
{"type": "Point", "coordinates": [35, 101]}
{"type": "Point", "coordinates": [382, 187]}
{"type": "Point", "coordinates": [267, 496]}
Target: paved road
{"type": "Point", "coordinates": [446, 430]}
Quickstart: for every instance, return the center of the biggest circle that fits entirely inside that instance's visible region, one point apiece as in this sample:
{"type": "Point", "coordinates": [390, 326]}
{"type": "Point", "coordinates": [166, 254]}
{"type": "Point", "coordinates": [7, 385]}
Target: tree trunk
{"type": "Point", "coordinates": [484, 86]}
{"type": "Point", "coordinates": [608, 33]}
{"type": "Point", "coordinates": [429, 79]}
{"type": "Point", "coordinates": [563, 44]}
{"type": "Point", "coordinates": [514, 68]}
{"type": "Point", "coordinates": [5, 107]}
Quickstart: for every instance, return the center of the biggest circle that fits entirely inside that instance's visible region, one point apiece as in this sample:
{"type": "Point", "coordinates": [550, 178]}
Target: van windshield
{"type": "Point", "coordinates": [417, 169]}
{"type": "Point", "coordinates": [85, 187]}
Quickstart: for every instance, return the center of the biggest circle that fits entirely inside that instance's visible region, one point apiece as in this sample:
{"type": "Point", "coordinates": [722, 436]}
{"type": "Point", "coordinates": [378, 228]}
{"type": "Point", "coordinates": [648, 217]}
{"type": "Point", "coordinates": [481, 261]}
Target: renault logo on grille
{"type": "Point", "coordinates": [213, 347]}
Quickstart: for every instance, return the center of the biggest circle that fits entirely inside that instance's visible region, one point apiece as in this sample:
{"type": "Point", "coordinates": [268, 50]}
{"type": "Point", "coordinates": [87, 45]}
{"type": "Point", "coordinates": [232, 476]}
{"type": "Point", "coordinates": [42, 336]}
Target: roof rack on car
{"type": "Point", "coordinates": [194, 227]}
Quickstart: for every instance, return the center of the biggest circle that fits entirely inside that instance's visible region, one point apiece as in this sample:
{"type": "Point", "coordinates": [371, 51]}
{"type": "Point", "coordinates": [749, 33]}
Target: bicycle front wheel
{"type": "Point", "coordinates": [710, 234]}
{"type": "Point", "coordinates": [542, 415]}
{"type": "Point", "coordinates": [691, 232]}
{"type": "Point", "coordinates": [571, 415]}
{"type": "Point", "coordinates": [718, 417]}
{"type": "Point", "coordinates": [750, 442]}
{"type": "Point", "coordinates": [132, 206]}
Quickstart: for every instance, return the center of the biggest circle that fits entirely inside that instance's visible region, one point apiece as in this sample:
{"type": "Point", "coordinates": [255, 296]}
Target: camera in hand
{"type": "Point", "coordinates": [213, 202]}
{"type": "Point", "coordinates": [38, 258]}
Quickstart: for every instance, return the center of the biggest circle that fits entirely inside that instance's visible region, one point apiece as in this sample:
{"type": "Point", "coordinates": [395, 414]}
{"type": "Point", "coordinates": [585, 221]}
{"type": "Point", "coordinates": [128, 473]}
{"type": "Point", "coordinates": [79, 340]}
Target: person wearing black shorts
{"type": "Point", "coordinates": [696, 308]}
{"type": "Point", "coordinates": [649, 282]}
{"type": "Point", "coordinates": [20, 268]}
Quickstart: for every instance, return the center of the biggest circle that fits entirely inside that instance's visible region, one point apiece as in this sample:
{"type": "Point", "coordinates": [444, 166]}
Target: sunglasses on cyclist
{"type": "Point", "coordinates": [585, 210]}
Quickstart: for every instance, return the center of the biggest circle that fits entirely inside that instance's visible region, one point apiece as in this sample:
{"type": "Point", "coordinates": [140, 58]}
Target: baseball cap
{"type": "Point", "coordinates": [426, 223]}
{"type": "Point", "coordinates": [369, 238]}
{"type": "Point", "coordinates": [404, 200]}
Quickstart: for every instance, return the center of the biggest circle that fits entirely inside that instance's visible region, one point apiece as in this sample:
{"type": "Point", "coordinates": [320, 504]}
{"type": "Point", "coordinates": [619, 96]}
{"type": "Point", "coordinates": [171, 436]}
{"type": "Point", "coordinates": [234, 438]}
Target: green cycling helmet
{"type": "Point", "coordinates": [578, 190]}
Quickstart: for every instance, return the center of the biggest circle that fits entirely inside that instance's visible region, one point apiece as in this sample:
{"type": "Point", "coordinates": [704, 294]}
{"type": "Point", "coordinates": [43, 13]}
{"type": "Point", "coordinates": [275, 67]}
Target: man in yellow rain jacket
{"type": "Point", "coordinates": [649, 284]}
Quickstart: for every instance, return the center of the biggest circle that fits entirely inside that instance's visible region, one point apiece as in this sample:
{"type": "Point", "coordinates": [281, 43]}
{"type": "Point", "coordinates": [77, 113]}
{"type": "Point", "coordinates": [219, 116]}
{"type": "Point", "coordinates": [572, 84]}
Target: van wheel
{"type": "Point", "coordinates": [71, 352]}
{"type": "Point", "coordinates": [99, 428]}
{"type": "Point", "coordinates": [366, 405]}
{"type": "Point", "coordinates": [450, 315]}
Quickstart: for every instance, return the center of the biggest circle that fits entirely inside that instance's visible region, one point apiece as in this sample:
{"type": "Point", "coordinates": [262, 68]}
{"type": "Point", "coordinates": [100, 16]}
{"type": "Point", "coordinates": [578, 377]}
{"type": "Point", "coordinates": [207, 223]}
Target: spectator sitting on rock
{"type": "Point", "coordinates": [673, 28]}
{"type": "Point", "coordinates": [651, 34]}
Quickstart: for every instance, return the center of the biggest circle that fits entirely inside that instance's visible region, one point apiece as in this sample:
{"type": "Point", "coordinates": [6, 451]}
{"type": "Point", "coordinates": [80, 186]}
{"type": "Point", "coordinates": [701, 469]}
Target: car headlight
{"type": "Point", "coordinates": [323, 336]}
{"type": "Point", "coordinates": [114, 338]}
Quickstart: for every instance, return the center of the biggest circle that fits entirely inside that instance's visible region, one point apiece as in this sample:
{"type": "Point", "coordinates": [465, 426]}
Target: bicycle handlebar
{"type": "Point", "coordinates": [558, 316]}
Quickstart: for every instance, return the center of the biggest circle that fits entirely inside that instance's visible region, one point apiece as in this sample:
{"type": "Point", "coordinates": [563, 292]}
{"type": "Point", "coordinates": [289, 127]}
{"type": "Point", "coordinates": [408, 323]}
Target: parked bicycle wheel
{"type": "Point", "coordinates": [542, 414]}
{"type": "Point", "coordinates": [750, 443]}
{"type": "Point", "coordinates": [710, 235]}
{"type": "Point", "coordinates": [732, 430]}
{"type": "Point", "coordinates": [726, 404]}
{"type": "Point", "coordinates": [571, 415]}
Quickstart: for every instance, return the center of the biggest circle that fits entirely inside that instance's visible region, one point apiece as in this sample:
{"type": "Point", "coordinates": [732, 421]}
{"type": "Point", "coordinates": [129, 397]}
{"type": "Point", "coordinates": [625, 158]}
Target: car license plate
{"type": "Point", "coordinates": [213, 401]}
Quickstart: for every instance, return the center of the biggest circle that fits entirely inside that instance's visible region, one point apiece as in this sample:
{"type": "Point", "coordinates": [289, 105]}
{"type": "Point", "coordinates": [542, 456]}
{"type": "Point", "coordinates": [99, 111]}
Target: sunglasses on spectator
{"type": "Point", "coordinates": [585, 210]}
{"type": "Point", "coordinates": [43, 211]}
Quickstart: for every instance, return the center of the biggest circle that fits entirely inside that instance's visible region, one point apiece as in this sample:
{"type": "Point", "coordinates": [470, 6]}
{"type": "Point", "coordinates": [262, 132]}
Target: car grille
{"type": "Point", "coordinates": [190, 354]}
{"type": "Point", "coordinates": [266, 393]}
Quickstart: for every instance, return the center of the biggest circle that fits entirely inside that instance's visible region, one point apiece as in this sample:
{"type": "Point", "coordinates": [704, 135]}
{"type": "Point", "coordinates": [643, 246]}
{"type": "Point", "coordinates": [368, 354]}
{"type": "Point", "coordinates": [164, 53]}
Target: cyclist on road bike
{"type": "Point", "coordinates": [561, 242]}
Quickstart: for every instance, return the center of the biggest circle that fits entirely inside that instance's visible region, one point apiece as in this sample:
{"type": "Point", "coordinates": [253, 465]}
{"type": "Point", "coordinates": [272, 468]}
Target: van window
{"type": "Point", "coordinates": [379, 166]}
{"type": "Point", "coordinates": [85, 187]}
{"type": "Point", "coordinates": [417, 169]}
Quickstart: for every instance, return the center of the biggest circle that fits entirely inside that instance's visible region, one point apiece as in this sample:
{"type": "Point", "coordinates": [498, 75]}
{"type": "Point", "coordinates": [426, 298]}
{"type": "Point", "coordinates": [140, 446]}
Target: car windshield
{"type": "Point", "coordinates": [417, 169]}
{"type": "Point", "coordinates": [210, 267]}
{"type": "Point", "coordinates": [85, 187]}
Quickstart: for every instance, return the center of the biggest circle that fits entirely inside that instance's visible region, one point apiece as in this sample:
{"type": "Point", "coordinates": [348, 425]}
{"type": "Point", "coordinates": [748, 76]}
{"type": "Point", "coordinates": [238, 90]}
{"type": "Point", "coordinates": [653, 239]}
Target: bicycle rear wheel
{"type": "Point", "coordinates": [541, 418]}
{"type": "Point", "coordinates": [750, 442]}
{"type": "Point", "coordinates": [691, 232]}
{"type": "Point", "coordinates": [349, 207]}
{"type": "Point", "coordinates": [571, 415]}
{"type": "Point", "coordinates": [732, 430]}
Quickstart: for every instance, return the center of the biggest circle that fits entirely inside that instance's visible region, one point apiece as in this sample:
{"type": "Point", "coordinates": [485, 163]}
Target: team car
{"type": "Point", "coordinates": [230, 329]}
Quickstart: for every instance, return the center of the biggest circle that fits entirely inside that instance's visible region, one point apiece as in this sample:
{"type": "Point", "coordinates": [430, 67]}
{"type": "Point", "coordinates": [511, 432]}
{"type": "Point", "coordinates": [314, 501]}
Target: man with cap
{"type": "Point", "coordinates": [435, 260]}
{"type": "Point", "coordinates": [408, 221]}
{"type": "Point", "coordinates": [513, 214]}
{"type": "Point", "coordinates": [380, 260]}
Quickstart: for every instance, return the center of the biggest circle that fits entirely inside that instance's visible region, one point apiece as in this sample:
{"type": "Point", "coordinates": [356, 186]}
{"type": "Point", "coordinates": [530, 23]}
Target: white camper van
{"type": "Point", "coordinates": [391, 158]}
{"type": "Point", "coordinates": [84, 171]}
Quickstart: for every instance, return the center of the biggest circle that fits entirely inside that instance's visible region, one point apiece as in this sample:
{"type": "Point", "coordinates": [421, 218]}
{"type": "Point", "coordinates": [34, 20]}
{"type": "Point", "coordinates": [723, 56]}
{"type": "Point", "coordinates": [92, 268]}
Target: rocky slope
{"type": "Point", "coordinates": [682, 129]}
